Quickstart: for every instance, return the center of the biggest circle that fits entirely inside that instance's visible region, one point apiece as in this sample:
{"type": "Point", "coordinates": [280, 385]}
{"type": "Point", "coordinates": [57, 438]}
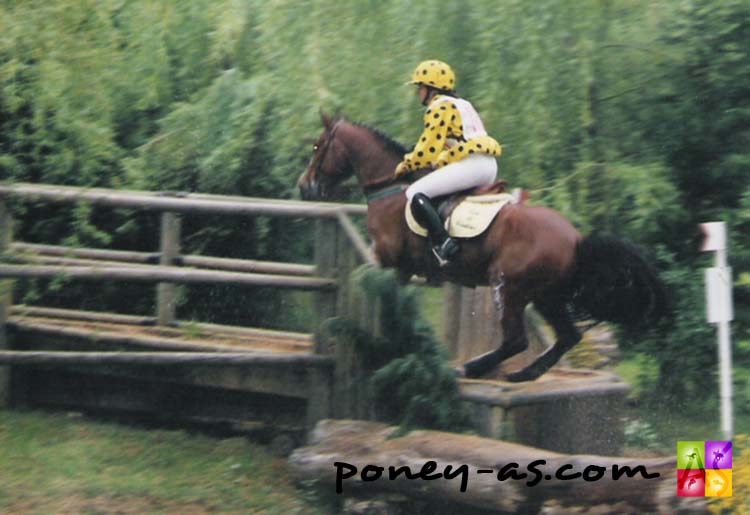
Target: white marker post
{"type": "Point", "coordinates": [719, 311]}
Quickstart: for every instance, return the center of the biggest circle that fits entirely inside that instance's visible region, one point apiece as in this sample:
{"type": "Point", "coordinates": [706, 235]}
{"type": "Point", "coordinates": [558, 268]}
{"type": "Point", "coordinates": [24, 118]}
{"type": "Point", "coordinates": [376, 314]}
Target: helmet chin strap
{"type": "Point", "coordinates": [431, 93]}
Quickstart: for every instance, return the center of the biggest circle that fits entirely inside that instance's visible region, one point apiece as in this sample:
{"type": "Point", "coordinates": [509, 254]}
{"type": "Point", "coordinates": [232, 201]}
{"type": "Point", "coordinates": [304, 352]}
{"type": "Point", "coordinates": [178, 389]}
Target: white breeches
{"type": "Point", "coordinates": [470, 172]}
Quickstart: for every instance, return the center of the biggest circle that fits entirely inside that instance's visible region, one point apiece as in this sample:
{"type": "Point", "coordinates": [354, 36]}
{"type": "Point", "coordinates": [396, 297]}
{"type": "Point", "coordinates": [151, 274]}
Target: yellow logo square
{"type": "Point", "coordinates": [718, 482]}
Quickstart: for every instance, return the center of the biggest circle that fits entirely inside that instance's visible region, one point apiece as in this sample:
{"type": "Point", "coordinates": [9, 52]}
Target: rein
{"type": "Point", "coordinates": [384, 189]}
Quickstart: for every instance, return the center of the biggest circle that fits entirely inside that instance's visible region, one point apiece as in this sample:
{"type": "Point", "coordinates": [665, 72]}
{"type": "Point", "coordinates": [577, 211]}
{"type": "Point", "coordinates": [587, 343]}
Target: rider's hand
{"type": "Point", "coordinates": [401, 169]}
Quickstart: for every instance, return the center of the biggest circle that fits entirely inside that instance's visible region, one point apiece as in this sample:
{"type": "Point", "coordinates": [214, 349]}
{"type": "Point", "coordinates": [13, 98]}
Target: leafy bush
{"type": "Point", "coordinates": [407, 368]}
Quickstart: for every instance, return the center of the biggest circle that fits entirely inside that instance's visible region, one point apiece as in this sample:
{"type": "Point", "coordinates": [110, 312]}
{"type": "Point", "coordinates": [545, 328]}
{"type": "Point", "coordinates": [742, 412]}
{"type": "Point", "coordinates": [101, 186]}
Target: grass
{"type": "Point", "coordinates": [682, 419]}
{"type": "Point", "coordinates": [54, 463]}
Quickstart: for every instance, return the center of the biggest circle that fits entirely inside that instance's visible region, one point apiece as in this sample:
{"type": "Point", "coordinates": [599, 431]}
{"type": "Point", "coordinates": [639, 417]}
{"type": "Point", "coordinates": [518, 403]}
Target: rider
{"type": "Point", "coordinates": [454, 144]}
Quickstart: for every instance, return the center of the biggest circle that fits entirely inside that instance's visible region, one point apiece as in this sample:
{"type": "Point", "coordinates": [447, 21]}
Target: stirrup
{"type": "Point", "coordinates": [444, 251]}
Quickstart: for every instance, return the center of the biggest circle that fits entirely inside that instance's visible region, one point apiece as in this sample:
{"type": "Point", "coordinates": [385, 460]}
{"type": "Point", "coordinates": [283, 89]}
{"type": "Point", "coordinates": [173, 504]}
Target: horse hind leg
{"type": "Point", "coordinates": [555, 312]}
{"type": "Point", "coordinates": [510, 304]}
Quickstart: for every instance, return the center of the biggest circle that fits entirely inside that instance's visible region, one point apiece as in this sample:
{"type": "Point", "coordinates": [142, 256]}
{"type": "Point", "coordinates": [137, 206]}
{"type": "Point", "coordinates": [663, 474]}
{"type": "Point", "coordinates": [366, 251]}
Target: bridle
{"type": "Point", "coordinates": [326, 145]}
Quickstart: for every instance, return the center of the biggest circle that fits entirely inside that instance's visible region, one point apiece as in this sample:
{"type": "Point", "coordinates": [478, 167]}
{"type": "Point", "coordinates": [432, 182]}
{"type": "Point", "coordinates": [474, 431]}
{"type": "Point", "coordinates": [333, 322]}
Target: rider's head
{"type": "Point", "coordinates": [435, 77]}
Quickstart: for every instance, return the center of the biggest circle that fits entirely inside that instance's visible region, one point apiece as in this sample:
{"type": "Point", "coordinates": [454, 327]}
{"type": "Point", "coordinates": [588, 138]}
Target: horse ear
{"type": "Point", "coordinates": [326, 119]}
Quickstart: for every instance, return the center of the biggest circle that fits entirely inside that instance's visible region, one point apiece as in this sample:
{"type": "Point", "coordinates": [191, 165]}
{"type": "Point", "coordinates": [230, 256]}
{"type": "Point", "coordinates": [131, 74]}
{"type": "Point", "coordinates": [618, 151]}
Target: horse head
{"type": "Point", "coordinates": [329, 164]}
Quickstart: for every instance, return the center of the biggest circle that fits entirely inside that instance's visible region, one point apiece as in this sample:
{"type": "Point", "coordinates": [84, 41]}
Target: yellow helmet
{"type": "Point", "coordinates": [435, 74]}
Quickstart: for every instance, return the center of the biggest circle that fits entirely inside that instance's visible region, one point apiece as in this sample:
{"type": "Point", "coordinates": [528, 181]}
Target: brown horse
{"type": "Point", "coordinates": [529, 254]}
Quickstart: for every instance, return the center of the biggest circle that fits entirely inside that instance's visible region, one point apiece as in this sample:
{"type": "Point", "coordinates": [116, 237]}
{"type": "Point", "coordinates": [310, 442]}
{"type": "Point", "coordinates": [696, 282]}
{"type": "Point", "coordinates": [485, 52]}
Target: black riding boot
{"type": "Point", "coordinates": [444, 247]}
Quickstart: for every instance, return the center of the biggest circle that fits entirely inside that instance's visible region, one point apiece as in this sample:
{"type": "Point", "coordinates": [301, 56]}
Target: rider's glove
{"type": "Point", "coordinates": [401, 169]}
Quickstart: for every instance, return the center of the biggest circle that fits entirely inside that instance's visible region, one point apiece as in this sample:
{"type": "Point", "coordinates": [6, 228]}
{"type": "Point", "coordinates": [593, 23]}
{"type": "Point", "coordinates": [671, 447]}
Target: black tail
{"type": "Point", "coordinates": [613, 282]}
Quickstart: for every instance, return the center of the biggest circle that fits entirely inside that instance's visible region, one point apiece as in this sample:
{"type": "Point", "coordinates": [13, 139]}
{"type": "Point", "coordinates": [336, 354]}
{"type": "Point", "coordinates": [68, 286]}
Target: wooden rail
{"type": "Point", "coordinates": [56, 254]}
{"type": "Point", "coordinates": [166, 274]}
{"type": "Point", "coordinates": [160, 358]}
{"type": "Point", "coordinates": [21, 312]}
{"type": "Point", "coordinates": [24, 250]}
{"type": "Point", "coordinates": [100, 335]}
{"type": "Point", "coordinates": [175, 202]}
{"type": "Point", "coordinates": [364, 251]}
{"type": "Point", "coordinates": [76, 314]}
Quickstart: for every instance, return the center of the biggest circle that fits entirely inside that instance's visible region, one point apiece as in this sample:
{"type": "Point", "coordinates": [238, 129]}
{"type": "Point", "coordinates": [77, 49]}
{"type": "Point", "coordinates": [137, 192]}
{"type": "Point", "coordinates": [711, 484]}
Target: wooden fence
{"type": "Point", "coordinates": [338, 249]}
{"type": "Point", "coordinates": [161, 267]}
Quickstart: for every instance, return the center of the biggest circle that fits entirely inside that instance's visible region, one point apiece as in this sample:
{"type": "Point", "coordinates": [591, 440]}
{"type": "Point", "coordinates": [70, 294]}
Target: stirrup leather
{"type": "Point", "coordinates": [444, 251]}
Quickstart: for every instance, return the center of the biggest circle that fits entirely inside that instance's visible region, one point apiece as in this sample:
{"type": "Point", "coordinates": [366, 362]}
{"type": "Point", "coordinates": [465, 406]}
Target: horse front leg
{"type": "Point", "coordinates": [510, 303]}
{"type": "Point", "coordinates": [554, 311]}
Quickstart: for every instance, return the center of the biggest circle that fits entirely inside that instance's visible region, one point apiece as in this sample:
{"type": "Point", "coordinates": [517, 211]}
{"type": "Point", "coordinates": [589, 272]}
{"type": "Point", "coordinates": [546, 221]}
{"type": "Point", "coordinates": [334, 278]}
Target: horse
{"type": "Point", "coordinates": [528, 254]}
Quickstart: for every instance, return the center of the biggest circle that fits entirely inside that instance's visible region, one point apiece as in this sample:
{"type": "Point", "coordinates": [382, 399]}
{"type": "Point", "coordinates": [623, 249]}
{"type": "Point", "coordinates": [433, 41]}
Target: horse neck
{"type": "Point", "coordinates": [373, 162]}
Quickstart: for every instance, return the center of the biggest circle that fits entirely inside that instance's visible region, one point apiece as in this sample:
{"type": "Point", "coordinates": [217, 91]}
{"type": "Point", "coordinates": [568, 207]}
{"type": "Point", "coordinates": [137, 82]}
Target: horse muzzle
{"type": "Point", "coordinates": [307, 192]}
{"type": "Point", "coordinates": [310, 190]}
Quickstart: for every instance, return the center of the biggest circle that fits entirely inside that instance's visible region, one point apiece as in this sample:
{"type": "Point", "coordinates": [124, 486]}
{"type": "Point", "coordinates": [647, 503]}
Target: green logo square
{"type": "Point", "coordinates": [690, 455]}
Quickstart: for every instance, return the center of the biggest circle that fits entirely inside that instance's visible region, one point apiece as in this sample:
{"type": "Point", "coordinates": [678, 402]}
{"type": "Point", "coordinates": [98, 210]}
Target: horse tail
{"type": "Point", "coordinates": [613, 282]}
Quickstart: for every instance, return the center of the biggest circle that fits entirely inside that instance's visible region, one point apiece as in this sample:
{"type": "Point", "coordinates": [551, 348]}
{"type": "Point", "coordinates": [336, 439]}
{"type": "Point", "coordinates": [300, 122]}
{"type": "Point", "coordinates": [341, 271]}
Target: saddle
{"type": "Point", "coordinates": [467, 213]}
{"type": "Point", "coordinates": [446, 204]}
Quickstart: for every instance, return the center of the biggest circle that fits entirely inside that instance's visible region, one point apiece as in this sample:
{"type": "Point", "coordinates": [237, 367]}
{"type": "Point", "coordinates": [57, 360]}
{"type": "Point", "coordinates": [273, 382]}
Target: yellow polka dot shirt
{"type": "Point", "coordinates": [442, 141]}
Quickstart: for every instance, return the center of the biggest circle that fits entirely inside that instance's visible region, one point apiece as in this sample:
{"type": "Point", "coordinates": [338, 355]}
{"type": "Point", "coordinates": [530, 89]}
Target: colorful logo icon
{"type": "Point", "coordinates": [704, 468]}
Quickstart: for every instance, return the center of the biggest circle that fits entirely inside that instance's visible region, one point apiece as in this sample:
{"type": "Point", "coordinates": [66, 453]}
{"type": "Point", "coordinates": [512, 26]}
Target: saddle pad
{"type": "Point", "coordinates": [470, 218]}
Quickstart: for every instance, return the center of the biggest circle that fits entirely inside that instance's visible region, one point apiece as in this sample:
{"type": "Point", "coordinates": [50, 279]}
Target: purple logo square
{"type": "Point", "coordinates": [718, 455]}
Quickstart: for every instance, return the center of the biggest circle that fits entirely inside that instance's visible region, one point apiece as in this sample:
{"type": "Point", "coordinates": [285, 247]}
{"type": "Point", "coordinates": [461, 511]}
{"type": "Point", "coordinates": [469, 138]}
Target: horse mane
{"type": "Point", "coordinates": [390, 144]}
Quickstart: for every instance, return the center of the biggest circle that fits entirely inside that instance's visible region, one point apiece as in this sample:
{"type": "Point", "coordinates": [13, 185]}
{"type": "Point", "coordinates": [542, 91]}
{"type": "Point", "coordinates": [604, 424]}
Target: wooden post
{"type": "Point", "coordinates": [320, 396]}
{"type": "Point", "coordinates": [349, 394]}
{"type": "Point", "coordinates": [326, 236]}
{"type": "Point", "coordinates": [166, 293]}
{"type": "Point", "coordinates": [338, 253]}
{"type": "Point", "coordinates": [346, 262]}
{"type": "Point", "coordinates": [452, 317]}
{"type": "Point", "coordinates": [323, 395]}
{"type": "Point", "coordinates": [467, 345]}
{"type": "Point", "coordinates": [6, 299]}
